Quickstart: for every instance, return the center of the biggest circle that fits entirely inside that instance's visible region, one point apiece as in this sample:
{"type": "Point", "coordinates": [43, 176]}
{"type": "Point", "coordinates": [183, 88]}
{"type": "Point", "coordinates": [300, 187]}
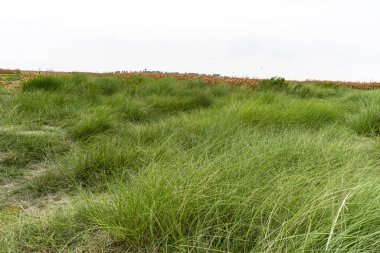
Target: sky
{"type": "Point", "coordinates": [294, 39]}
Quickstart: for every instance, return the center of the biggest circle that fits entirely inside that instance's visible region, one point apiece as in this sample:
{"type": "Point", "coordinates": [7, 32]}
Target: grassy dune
{"type": "Point", "coordinates": [111, 164]}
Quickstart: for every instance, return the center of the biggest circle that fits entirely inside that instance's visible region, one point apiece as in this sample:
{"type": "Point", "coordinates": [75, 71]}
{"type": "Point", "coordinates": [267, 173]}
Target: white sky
{"type": "Point", "coordinates": [295, 39]}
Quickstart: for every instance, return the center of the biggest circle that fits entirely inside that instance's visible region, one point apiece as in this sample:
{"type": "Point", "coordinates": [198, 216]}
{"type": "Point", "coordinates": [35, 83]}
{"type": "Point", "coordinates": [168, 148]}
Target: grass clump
{"type": "Point", "coordinates": [104, 159]}
{"type": "Point", "coordinates": [367, 121]}
{"type": "Point", "coordinates": [91, 125]}
{"type": "Point", "coordinates": [46, 83]}
{"type": "Point", "coordinates": [282, 113]}
{"type": "Point", "coordinates": [20, 147]}
{"type": "Point", "coordinates": [167, 105]}
{"type": "Point", "coordinates": [314, 91]}
{"type": "Point", "coordinates": [130, 110]}
{"type": "Point", "coordinates": [328, 85]}
{"type": "Point", "coordinates": [320, 90]}
{"type": "Point", "coordinates": [364, 117]}
{"type": "Point", "coordinates": [273, 84]}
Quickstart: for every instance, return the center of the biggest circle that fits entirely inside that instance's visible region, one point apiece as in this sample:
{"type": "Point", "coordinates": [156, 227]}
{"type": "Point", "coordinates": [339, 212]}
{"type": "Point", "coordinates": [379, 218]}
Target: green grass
{"type": "Point", "coordinates": [179, 166]}
{"type": "Point", "coordinates": [10, 77]}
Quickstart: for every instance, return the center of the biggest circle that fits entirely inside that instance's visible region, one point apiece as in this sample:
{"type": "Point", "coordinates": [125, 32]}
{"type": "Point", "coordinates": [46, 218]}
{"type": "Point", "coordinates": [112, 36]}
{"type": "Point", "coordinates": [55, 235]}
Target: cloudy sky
{"type": "Point", "coordinates": [295, 39]}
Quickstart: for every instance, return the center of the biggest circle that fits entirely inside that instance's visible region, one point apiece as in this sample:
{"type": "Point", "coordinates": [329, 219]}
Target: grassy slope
{"type": "Point", "coordinates": [107, 164]}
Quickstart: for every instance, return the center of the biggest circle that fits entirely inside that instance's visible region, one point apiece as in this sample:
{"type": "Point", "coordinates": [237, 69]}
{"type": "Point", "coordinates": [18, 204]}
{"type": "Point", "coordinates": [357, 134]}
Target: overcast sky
{"type": "Point", "coordinates": [295, 39]}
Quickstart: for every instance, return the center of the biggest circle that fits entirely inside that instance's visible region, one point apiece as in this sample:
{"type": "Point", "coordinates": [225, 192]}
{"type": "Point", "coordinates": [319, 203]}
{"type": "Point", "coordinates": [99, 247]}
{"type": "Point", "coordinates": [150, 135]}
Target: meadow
{"type": "Point", "coordinates": [135, 164]}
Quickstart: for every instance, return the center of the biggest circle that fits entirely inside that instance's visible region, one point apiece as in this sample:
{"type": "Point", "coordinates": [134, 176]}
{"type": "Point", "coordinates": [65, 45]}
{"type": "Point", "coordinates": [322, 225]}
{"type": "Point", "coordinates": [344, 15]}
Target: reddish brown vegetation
{"type": "Point", "coordinates": [210, 79]}
{"type": "Point", "coordinates": [9, 71]}
{"type": "Point", "coordinates": [237, 81]}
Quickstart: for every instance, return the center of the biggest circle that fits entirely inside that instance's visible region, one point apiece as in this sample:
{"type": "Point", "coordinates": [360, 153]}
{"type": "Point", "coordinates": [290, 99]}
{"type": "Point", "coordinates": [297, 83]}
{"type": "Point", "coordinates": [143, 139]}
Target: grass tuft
{"type": "Point", "coordinates": [273, 84]}
{"type": "Point", "coordinates": [367, 121]}
{"type": "Point", "coordinates": [46, 83]}
{"type": "Point", "coordinates": [91, 125]}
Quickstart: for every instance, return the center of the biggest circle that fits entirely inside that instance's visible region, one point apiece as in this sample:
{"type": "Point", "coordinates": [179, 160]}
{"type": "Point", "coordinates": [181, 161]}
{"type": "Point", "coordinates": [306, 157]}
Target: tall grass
{"type": "Point", "coordinates": [179, 166]}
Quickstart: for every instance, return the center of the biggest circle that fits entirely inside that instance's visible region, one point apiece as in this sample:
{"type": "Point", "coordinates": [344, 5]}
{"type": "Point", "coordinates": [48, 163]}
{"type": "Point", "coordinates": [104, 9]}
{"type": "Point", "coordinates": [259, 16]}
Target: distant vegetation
{"type": "Point", "coordinates": [135, 164]}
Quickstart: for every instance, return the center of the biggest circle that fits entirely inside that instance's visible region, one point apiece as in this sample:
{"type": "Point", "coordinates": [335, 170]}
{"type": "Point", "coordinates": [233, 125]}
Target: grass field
{"type": "Point", "coordinates": [136, 164]}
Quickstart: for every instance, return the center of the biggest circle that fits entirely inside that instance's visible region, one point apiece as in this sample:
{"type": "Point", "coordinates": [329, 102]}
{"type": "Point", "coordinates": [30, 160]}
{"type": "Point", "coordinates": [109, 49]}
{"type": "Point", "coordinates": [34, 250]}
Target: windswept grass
{"type": "Point", "coordinates": [46, 83]}
{"type": "Point", "coordinates": [180, 166]}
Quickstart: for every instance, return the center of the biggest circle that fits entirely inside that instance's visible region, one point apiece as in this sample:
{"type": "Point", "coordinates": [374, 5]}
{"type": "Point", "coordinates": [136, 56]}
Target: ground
{"type": "Point", "coordinates": [102, 163]}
